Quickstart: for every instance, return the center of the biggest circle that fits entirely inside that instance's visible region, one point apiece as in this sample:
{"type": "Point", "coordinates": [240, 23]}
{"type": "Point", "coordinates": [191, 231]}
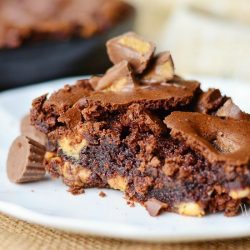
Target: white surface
{"type": "Point", "coordinates": [48, 203]}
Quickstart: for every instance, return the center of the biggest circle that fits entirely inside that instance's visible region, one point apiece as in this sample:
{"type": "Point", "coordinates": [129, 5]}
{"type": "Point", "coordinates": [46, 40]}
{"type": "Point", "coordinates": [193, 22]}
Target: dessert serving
{"type": "Point", "coordinates": [147, 132]}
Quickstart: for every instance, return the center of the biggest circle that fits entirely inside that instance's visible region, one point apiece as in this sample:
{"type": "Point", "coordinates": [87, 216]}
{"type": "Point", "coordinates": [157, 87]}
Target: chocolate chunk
{"type": "Point", "coordinates": [117, 78]}
{"type": "Point", "coordinates": [25, 160]}
{"type": "Point", "coordinates": [161, 70]}
{"type": "Point", "coordinates": [154, 207]}
{"type": "Point", "coordinates": [132, 48]}
{"type": "Point", "coordinates": [209, 101]}
{"type": "Point", "coordinates": [28, 130]}
{"type": "Point", "coordinates": [102, 194]}
{"type": "Point", "coordinates": [229, 109]}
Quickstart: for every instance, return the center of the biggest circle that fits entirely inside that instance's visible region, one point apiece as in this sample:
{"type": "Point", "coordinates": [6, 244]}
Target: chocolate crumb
{"type": "Point", "coordinates": [102, 194]}
{"type": "Point", "coordinates": [131, 203]}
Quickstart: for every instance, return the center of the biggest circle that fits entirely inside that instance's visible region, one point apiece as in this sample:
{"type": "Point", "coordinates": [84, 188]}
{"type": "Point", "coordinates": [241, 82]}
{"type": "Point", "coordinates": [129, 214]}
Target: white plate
{"type": "Point", "coordinates": [48, 203]}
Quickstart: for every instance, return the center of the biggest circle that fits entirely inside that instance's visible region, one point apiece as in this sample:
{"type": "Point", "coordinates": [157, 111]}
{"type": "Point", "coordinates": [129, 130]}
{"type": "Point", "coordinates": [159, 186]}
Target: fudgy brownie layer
{"type": "Point", "coordinates": [143, 160]}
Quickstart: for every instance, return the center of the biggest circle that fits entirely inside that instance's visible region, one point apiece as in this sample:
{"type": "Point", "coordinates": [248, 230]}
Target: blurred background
{"type": "Point", "coordinates": [47, 39]}
{"type": "Point", "coordinates": [205, 37]}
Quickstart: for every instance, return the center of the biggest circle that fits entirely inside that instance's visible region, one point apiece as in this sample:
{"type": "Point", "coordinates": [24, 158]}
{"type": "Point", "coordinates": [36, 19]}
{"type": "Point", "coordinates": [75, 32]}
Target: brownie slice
{"type": "Point", "coordinates": [164, 142]}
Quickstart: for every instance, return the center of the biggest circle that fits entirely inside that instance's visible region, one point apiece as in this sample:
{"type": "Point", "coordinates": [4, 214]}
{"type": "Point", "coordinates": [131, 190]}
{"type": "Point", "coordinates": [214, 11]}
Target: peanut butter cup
{"type": "Point", "coordinates": [28, 130]}
{"type": "Point", "coordinates": [25, 160]}
{"type": "Point", "coordinates": [132, 48]}
{"type": "Point", "coordinates": [161, 70]}
{"type": "Point", "coordinates": [119, 77]}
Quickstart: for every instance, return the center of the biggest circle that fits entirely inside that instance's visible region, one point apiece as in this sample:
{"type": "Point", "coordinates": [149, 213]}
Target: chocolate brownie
{"type": "Point", "coordinates": [28, 20]}
{"type": "Point", "coordinates": [149, 133]}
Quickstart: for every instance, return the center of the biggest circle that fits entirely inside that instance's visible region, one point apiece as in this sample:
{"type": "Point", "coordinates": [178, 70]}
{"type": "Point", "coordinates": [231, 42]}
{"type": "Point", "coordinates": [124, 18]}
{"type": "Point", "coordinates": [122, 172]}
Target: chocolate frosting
{"type": "Point", "coordinates": [217, 139]}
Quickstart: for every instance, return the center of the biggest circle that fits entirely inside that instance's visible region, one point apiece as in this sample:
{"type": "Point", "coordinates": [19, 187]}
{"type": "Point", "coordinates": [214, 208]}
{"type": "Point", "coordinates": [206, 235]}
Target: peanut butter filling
{"type": "Point", "coordinates": [190, 209]}
{"type": "Point", "coordinates": [239, 194]}
{"type": "Point", "coordinates": [135, 44]}
{"type": "Point", "coordinates": [118, 182]}
{"type": "Point", "coordinates": [70, 149]}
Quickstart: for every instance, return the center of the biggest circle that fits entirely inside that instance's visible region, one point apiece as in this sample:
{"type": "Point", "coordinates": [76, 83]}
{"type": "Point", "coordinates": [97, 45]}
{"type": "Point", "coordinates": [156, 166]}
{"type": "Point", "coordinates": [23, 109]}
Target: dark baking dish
{"type": "Point", "coordinates": [53, 59]}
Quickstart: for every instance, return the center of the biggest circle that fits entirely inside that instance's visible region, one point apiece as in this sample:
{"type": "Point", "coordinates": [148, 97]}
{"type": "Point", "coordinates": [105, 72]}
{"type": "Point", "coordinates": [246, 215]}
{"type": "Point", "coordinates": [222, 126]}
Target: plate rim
{"type": "Point", "coordinates": [94, 228]}
{"type": "Point", "coordinates": [99, 229]}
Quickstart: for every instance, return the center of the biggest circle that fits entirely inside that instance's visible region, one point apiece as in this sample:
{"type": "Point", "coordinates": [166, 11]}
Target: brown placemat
{"type": "Point", "coordinates": [20, 235]}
